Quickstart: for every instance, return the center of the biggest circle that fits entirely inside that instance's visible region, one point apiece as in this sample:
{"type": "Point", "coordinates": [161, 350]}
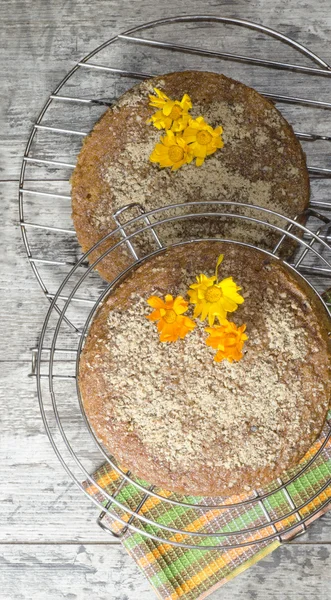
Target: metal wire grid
{"type": "Point", "coordinates": [37, 156]}
{"type": "Point", "coordinates": [153, 222]}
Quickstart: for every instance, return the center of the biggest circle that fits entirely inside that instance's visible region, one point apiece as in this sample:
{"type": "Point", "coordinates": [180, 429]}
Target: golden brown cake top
{"type": "Point", "coordinates": [176, 417]}
{"type": "Point", "coordinates": [261, 162]}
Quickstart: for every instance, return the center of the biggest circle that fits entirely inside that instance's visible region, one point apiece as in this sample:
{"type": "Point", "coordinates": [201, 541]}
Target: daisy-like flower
{"type": "Point", "coordinates": [202, 138]}
{"type": "Point", "coordinates": [169, 313]}
{"type": "Point", "coordinates": [228, 339]}
{"type": "Point", "coordinates": [172, 151]}
{"type": "Point", "coordinates": [172, 114]}
{"type": "Point", "coordinates": [213, 298]}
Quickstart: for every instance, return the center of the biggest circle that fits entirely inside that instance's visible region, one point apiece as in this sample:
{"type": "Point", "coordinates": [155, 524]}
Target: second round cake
{"type": "Point", "coordinates": [174, 416]}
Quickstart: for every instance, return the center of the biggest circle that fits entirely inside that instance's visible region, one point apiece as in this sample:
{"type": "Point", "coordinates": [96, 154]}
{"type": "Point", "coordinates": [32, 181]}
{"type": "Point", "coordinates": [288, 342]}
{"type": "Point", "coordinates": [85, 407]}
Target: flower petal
{"type": "Point", "coordinates": [189, 323]}
{"type": "Point", "coordinates": [193, 295]}
{"type": "Point", "coordinates": [155, 302]}
{"type": "Point", "coordinates": [219, 261]}
{"type": "Point", "coordinates": [186, 102]}
{"type": "Point", "coordinates": [227, 305]}
{"type": "Point", "coordinates": [197, 310]}
{"type": "Point", "coordinates": [199, 151]}
{"type": "Point", "coordinates": [168, 107]}
{"type": "Point", "coordinates": [211, 319]}
{"type": "Point", "coordinates": [205, 311]}
{"type": "Point", "coordinates": [210, 150]}
{"type": "Point", "coordinates": [180, 305]}
{"type": "Point", "coordinates": [154, 316]}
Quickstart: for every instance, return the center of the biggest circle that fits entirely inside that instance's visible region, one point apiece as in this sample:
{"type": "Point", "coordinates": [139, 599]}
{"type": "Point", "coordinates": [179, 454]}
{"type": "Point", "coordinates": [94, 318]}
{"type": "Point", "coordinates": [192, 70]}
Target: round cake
{"type": "Point", "coordinates": [173, 415]}
{"type": "Point", "coordinates": [261, 163]}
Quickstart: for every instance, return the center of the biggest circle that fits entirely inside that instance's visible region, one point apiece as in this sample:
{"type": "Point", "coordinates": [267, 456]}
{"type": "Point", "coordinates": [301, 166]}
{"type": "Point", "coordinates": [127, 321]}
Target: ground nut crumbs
{"type": "Point", "coordinates": [186, 407]}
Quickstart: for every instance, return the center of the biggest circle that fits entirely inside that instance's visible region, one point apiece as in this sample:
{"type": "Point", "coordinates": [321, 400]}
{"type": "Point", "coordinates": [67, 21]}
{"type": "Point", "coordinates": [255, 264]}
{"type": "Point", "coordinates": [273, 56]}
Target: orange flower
{"type": "Point", "coordinates": [172, 324]}
{"type": "Point", "coordinates": [228, 339]}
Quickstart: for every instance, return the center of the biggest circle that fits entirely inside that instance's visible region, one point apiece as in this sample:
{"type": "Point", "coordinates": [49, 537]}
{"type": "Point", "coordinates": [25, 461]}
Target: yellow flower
{"type": "Point", "coordinates": [171, 152]}
{"type": "Point", "coordinates": [172, 324]}
{"type": "Point", "coordinates": [228, 339]}
{"type": "Point", "coordinates": [172, 114]}
{"type": "Point", "coordinates": [202, 138]}
{"type": "Point", "coordinates": [212, 298]}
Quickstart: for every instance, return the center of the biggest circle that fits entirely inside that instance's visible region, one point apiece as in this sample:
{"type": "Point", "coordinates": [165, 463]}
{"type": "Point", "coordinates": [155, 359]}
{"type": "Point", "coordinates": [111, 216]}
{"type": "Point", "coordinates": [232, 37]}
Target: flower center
{"type": "Point", "coordinates": [176, 112]}
{"type": "Point", "coordinates": [175, 153]}
{"type": "Point", "coordinates": [204, 137]}
{"type": "Point", "coordinates": [213, 294]}
{"type": "Point", "coordinates": [170, 316]}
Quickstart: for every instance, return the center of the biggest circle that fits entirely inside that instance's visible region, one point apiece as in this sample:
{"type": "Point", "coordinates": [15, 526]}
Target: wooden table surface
{"type": "Point", "coordinates": [50, 545]}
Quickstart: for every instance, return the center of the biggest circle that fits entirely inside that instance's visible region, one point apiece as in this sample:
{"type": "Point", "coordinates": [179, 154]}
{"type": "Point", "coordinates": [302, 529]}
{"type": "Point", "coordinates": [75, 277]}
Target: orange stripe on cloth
{"type": "Point", "coordinates": [153, 501]}
{"type": "Point", "coordinates": [107, 479]}
{"type": "Point", "coordinates": [322, 498]}
{"type": "Point", "coordinates": [311, 507]}
{"type": "Point", "coordinates": [111, 477]}
{"type": "Point", "coordinates": [312, 451]}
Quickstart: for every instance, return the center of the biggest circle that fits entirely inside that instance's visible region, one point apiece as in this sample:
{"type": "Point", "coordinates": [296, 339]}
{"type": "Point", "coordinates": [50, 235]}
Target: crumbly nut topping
{"type": "Point", "coordinates": [215, 179]}
{"type": "Point", "coordinates": [185, 408]}
{"type": "Point", "coordinates": [206, 182]}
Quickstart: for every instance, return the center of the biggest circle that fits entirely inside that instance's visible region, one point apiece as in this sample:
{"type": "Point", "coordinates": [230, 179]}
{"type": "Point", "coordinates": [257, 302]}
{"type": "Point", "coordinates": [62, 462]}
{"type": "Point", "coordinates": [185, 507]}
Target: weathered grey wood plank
{"type": "Point", "coordinates": [39, 502]}
{"type": "Point", "coordinates": [81, 572]}
{"type": "Point", "coordinates": [45, 39]}
{"type": "Point", "coordinates": [22, 305]}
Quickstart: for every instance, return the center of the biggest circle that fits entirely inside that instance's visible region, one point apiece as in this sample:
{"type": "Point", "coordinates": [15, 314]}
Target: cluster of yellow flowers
{"type": "Point", "coordinates": [185, 138]}
{"type": "Point", "coordinates": [212, 299]}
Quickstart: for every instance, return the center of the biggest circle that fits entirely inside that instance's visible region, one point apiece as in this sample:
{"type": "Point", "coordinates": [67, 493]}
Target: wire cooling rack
{"type": "Point", "coordinates": [240, 49]}
{"type": "Point", "coordinates": [73, 439]}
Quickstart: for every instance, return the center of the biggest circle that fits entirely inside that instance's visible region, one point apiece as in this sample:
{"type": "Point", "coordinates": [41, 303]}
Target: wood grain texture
{"type": "Point", "coordinates": [84, 571]}
{"type": "Point", "coordinates": [39, 42]}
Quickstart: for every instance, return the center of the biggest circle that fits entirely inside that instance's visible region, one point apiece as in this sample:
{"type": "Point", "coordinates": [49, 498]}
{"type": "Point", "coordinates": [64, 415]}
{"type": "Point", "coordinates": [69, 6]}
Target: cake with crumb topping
{"type": "Point", "coordinates": [260, 163]}
{"type": "Point", "coordinates": [180, 420]}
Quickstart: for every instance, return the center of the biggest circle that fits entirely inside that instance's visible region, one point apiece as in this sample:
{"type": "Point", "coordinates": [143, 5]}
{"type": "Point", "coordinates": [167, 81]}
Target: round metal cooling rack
{"type": "Point", "coordinates": [75, 290]}
{"type": "Point", "coordinates": [73, 439]}
{"type": "Point", "coordinates": [235, 47]}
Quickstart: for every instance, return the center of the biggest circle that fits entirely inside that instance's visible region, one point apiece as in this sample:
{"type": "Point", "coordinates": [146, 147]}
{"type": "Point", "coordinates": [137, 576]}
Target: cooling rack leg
{"type": "Point", "coordinates": [34, 354]}
{"type": "Point", "coordinates": [119, 534]}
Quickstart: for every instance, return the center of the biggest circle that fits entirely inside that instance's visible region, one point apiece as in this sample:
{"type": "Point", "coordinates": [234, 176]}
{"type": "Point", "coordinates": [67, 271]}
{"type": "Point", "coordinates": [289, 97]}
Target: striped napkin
{"type": "Point", "coordinates": [176, 572]}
